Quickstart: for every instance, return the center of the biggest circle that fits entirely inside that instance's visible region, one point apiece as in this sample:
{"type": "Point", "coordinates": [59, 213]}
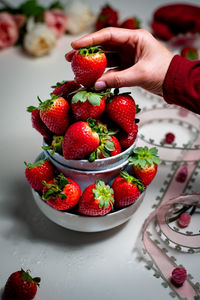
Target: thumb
{"type": "Point", "coordinates": [117, 79]}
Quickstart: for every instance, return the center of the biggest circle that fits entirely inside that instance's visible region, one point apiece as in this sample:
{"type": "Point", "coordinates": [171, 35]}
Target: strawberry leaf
{"type": "Point", "coordinates": [110, 146]}
{"type": "Point", "coordinates": [80, 96]}
{"type": "Point", "coordinates": [94, 98]}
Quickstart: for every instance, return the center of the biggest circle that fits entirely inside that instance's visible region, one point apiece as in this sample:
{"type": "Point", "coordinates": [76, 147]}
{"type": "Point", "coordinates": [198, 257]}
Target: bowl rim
{"type": "Point", "coordinates": [107, 159]}
{"type": "Point", "coordinates": [87, 172]}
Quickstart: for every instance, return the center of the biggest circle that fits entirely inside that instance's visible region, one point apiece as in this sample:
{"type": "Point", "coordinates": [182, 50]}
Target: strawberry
{"type": "Point", "coordinates": [190, 53]}
{"type": "Point", "coordinates": [88, 104]}
{"type": "Point", "coordinates": [21, 286]}
{"type": "Point", "coordinates": [144, 162]}
{"type": "Point", "coordinates": [80, 140]}
{"type": "Point", "coordinates": [108, 17]}
{"type": "Point", "coordinates": [130, 23]}
{"type": "Point", "coordinates": [37, 172]}
{"type": "Point", "coordinates": [61, 193]}
{"type": "Point", "coordinates": [97, 200]}
{"type": "Point", "coordinates": [88, 64]}
{"type": "Point", "coordinates": [127, 189]}
{"type": "Point", "coordinates": [65, 88]}
{"type": "Point", "coordinates": [127, 139]}
{"type": "Point", "coordinates": [37, 123]}
{"type": "Point", "coordinates": [121, 109]}
{"type": "Point", "coordinates": [54, 113]}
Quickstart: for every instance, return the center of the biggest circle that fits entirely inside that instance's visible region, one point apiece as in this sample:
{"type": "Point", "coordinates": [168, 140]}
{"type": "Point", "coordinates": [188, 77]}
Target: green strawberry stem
{"type": "Point", "coordinates": [133, 180]}
{"type": "Point", "coordinates": [36, 164]}
{"type": "Point", "coordinates": [56, 188]}
{"type": "Point", "coordinates": [143, 157]}
{"type": "Point", "coordinates": [56, 145]}
{"type": "Point", "coordinates": [27, 277]}
{"type": "Point", "coordinates": [104, 193]}
{"type": "Point", "coordinates": [93, 96]}
{"type": "Point", "coordinates": [85, 51]}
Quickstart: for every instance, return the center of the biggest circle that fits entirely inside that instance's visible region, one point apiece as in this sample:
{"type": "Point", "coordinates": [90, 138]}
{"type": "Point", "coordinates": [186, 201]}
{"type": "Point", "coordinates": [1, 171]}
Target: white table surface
{"type": "Point", "coordinates": [71, 265]}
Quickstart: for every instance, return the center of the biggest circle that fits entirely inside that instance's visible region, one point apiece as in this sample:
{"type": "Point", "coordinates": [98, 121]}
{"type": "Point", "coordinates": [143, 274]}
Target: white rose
{"type": "Point", "coordinates": [39, 39]}
{"type": "Point", "coordinates": [79, 17]}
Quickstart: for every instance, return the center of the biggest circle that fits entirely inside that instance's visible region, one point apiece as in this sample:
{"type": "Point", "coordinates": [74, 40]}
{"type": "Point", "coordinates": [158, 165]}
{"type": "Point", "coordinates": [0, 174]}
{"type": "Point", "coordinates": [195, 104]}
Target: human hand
{"type": "Point", "coordinates": [139, 59]}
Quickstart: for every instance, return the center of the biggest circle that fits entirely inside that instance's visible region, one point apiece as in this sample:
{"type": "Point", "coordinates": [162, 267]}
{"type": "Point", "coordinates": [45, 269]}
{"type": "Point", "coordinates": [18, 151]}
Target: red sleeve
{"type": "Point", "coordinates": [182, 83]}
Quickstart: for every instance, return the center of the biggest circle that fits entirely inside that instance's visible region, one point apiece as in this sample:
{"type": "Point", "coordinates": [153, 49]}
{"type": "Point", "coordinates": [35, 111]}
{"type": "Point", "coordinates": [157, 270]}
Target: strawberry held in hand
{"type": "Point", "coordinates": [88, 104]}
{"type": "Point", "coordinates": [127, 189]}
{"type": "Point", "coordinates": [144, 162]}
{"type": "Point", "coordinates": [37, 172]}
{"type": "Point", "coordinates": [121, 109]}
{"type": "Point", "coordinates": [54, 113]}
{"type": "Point", "coordinates": [88, 64]}
{"type": "Point", "coordinates": [80, 140]}
{"type": "Point", "coordinates": [21, 286]}
{"type": "Point", "coordinates": [61, 193]}
{"type": "Point", "coordinates": [65, 88]}
{"type": "Point", "coordinates": [97, 200]}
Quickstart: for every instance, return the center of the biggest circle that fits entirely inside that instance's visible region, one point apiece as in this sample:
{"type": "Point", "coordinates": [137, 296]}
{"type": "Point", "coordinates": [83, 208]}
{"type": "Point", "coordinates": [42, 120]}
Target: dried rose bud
{"type": "Point", "coordinates": [184, 220]}
{"type": "Point", "coordinates": [169, 138]}
{"type": "Point", "coordinates": [182, 175]}
{"type": "Point", "coordinates": [179, 276]}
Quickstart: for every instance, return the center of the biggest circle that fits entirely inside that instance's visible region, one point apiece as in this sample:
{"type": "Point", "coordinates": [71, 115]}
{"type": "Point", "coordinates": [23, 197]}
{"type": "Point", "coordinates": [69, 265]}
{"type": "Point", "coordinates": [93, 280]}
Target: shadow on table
{"type": "Point", "coordinates": [26, 221]}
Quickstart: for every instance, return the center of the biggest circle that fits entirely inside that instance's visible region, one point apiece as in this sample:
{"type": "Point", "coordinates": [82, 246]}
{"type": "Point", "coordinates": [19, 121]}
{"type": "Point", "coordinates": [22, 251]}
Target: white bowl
{"type": "Point", "coordinates": [87, 224]}
{"type": "Point", "coordinates": [98, 164]}
{"type": "Point", "coordinates": [85, 178]}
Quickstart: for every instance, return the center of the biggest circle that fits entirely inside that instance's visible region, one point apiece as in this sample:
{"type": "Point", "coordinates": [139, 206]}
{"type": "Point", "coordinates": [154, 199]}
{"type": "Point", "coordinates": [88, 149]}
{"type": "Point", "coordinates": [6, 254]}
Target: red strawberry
{"type": "Point", "coordinates": [65, 88]}
{"type": "Point", "coordinates": [80, 140]}
{"type": "Point", "coordinates": [131, 23]}
{"type": "Point", "coordinates": [88, 64]}
{"type": "Point", "coordinates": [37, 172]}
{"type": "Point", "coordinates": [87, 104]}
{"type": "Point", "coordinates": [127, 139]}
{"type": "Point", "coordinates": [54, 113]}
{"type": "Point", "coordinates": [127, 189]}
{"type": "Point", "coordinates": [37, 123]}
{"type": "Point", "coordinates": [144, 162]}
{"type": "Point", "coordinates": [21, 286]}
{"type": "Point", "coordinates": [190, 53]}
{"type": "Point", "coordinates": [108, 17]}
{"type": "Point", "coordinates": [97, 200]}
{"type": "Point", "coordinates": [61, 193]}
{"type": "Point", "coordinates": [169, 138]}
{"type": "Point", "coordinates": [122, 109]}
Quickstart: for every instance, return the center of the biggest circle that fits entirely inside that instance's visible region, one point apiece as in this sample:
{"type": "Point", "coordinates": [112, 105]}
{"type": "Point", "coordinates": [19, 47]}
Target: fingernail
{"type": "Point", "coordinates": [100, 85]}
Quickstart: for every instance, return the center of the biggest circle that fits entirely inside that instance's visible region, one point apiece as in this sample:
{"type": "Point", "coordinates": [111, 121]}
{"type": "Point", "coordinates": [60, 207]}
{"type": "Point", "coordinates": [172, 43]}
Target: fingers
{"type": "Point", "coordinates": [112, 35]}
{"type": "Point", "coordinates": [117, 79]}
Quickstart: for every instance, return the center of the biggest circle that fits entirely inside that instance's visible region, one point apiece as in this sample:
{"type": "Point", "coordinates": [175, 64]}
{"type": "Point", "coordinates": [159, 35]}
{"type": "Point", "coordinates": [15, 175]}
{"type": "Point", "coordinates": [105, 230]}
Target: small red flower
{"type": "Point", "coordinates": [169, 138]}
{"type": "Point", "coordinates": [179, 276]}
{"type": "Point", "coordinates": [184, 220]}
{"type": "Point", "coordinates": [182, 175]}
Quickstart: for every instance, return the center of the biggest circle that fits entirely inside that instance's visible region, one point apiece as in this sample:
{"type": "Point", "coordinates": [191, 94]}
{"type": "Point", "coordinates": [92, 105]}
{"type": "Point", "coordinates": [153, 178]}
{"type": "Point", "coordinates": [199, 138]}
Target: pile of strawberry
{"type": "Point", "coordinates": [80, 122]}
{"type": "Point", "coordinates": [98, 199]}
{"type": "Point", "coordinates": [109, 17]}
